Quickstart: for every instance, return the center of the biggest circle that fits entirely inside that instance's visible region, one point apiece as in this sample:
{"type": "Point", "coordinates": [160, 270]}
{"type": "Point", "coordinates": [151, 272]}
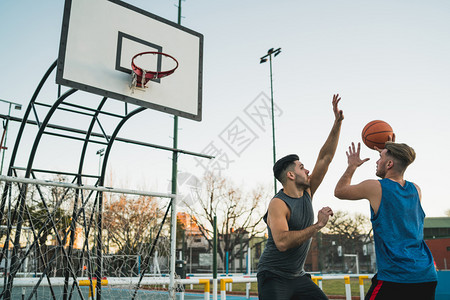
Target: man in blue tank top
{"type": "Point", "coordinates": [290, 225]}
{"type": "Point", "coordinates": [405, 264]}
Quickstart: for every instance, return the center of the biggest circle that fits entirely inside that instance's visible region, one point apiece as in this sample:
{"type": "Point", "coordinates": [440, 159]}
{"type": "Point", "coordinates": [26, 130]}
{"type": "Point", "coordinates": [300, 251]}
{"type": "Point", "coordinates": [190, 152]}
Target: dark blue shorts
{"type": "Point", "coordinates": [386, 290]}
{"type": "Point", "coordinates": [273, 287]}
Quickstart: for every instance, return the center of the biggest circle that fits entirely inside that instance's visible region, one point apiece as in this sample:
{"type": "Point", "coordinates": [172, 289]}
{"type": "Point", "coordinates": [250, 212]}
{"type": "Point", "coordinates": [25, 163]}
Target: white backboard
{"type": "Point", "coordinates": [99, 39]}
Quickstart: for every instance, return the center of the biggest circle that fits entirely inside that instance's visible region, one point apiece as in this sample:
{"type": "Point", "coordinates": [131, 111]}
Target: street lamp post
{"type": "Point", "coordinates": [5, 129]}
{"type": "Point", "coordinates": [96, 244]}
{"type": "Point", "coordinates": [100, 153]}
{"type": "Point", "coordinates": [263, 59]}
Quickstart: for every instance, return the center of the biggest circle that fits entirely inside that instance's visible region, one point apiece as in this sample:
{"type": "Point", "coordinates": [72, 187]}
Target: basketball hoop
{"type": "Point", "coordinates": [140, 76]}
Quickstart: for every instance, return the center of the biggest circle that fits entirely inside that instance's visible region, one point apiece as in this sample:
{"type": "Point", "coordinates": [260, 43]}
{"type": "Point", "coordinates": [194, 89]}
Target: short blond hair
{"type": "Point", "coordinates": [403, 153]}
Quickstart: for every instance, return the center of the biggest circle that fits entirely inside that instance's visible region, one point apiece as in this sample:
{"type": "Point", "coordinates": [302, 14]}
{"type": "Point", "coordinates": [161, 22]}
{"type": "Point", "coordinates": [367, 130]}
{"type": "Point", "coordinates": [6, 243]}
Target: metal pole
{"type": "Point", "coordinates": [99, 246]}
{"type": "Point", "coordinates": [16, 106]}
{"type": "Point", "coordinates": [226, 263]}
{"type": "Point", "coordinates": [275, 52]}
{"type": "Point", "coordinates": [100, 153]}
{"type": "Point", "coordinates": [215, 259]}
{"type": "Point", "coordinates": [120, 139]}
{"type": "Point", "coordinates": [241, 250]}
{"type": "Point", "coordinates": [173, 215]}
{"type": "Point", "coordinates": [172, 294]}
{"type": "Point", "coordinates": [319, 244]}
{"type": "Point", "coordinates": [4, 141]}
{"type": "Point", "coordinates": [84, 187]}
{"type": "Point", "coordinates": [273, 122]}
{"type": "Point", "coordinates": [357, 260]}
{"type": "Point", "coordinates": [357, 264]}
{"type": "Point", "coordinates": [99, 164]}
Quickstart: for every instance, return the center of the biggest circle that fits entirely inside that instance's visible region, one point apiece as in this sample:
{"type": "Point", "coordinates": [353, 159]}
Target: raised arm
{"type": "Point", "coordinates": [368, 189]}
{"type": "Point", "coordinates": [327, 151]}
{"type": "Point", "coordinates": [277, 219]}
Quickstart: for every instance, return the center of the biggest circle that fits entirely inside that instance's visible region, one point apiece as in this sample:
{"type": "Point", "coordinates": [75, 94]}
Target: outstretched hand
{"type": "Point", "coordinates": [354, 157]}
{"type": "Point", "coordinates": [338, 114]}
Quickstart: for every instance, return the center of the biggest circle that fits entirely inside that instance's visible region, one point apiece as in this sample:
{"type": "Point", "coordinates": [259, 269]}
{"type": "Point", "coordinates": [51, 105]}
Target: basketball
{"type": "Point", "coordinates": [376, 133]}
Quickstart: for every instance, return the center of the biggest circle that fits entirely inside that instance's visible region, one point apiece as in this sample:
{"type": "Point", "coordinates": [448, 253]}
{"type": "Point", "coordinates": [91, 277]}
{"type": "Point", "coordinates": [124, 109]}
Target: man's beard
{"type": "Point", "coordinates": [380, 173]}
{"type": "Point", "coordinates": [303, 185]}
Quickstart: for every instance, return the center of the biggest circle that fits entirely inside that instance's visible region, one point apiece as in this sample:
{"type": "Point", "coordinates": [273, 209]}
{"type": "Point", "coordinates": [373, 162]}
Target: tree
{"type": "Point", "coordinates": [41, 222]}
{"type": "Point", "coordinates": [46, 202]}
{"type": "Point", "coordinates": [349, 227]}
{"type": "Point", "coordinates": [47, 214]}
{"type": "Point", "coordinates": [239, 215]}
{"type": "Point", "coordinates": [130, 223]}
{"type": "Point", "coordinates": [350, 230]}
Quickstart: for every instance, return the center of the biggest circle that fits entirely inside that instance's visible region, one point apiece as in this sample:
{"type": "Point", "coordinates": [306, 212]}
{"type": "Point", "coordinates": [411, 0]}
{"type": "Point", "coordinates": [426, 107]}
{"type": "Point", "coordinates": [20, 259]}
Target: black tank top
{"type": "Point", "coordinates": [290, 263]}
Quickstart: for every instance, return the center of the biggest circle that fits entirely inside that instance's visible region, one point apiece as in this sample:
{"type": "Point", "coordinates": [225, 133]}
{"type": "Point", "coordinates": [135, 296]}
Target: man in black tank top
{"type": "Point", "coordinates": [289, 220]}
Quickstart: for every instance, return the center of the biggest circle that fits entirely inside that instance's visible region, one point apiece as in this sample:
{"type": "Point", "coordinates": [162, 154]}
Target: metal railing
{"type": "Point", "coordinates": [225, 283]}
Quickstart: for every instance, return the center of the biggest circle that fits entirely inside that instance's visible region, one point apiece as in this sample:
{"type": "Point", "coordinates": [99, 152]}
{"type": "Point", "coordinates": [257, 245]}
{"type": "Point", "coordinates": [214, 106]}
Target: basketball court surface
{"type": "Point", "coordinates": [43, 293]}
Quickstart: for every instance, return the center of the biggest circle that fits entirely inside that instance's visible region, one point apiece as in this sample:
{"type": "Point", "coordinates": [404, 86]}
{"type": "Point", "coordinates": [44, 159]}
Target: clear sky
{"type": "Point", "coordinates": [388, 60]}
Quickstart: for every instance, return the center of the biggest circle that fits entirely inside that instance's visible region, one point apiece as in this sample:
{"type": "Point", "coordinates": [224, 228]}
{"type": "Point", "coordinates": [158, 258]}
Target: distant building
{"type": "Point", "coordinates": [437, 236]}
{"type": "Point", "coordinates": [195, 246]}
{"type": "Point", "coordinates": [196, 249]}
{"type": "Point", "coordinates": [257, 245]}
{"type": "Point", "coordinates": [332, 253]}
